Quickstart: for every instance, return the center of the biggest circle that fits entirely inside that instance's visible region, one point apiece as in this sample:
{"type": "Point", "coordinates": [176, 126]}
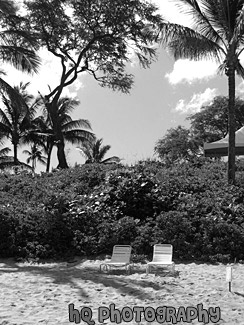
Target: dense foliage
{"type": "Point", "coordinates": [86, 210]}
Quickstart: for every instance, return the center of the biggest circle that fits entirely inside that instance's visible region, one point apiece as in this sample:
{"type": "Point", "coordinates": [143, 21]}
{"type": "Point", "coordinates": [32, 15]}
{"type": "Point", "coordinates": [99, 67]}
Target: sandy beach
{"type": "Point", "coordinates": [42, 293]}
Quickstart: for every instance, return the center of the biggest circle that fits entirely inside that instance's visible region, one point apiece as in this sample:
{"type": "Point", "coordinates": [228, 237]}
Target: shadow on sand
{"type": "Point", "coordinates": [65, 273]}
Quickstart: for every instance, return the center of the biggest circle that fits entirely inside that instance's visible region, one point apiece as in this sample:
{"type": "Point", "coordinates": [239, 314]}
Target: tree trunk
{"type": "Point", "coordinates": [62, 163]}
{"type": "Point", "coordinates": [58, 136]}
{"type": "Point", "coordinates": [34, 164]}
{"type": "Point", "coordinates": [15, 154]}
{"type": "Point", "coordinates": [49, 152]}
{"type": "Point", "coordinates": [231, 124]}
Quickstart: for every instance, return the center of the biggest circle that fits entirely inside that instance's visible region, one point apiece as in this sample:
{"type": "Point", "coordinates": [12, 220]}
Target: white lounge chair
{"type": "Point", "coordinates": [120, 258]}
{"type": "Point", "coordinates": [162, 256]}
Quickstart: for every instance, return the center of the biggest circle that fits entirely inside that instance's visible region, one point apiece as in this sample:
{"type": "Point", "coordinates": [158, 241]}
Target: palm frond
{"type": "Point", "coordinates": [19, 37]}
{"type": "Point", "coordinates": [239, 30]}
{"type": "Point", "coordinates": [217, 13]}
{"type": "Point", "coordinates": [4, 152]}
{"type": "Point", "coordinates": [21, 58]}
{"type": "Point", "coordinates": [66, 105]}
{"type": "Point", "coordinates": [28, 160]}
{"type": "Point", "coordinates": [85, 124]}
{"type": "Point", "coordinates": [22, 91]}
{"type": "Point", "coordinates": [240, 70]}
{"type": "Point", "coordinates": [26, 152]}
{"type": "Point", "coordinates": [222, 68]}
{"type": "Point", "coordinates": [102, 152]}
{"type": "Point", "coordinates": [7, 7]}
{"type": "Point", "coordinates": [93, 151]}
{"type": "Point", "coordinates": [5, 130]}
{"type": "Point", "coordinates": [6, 88]}
{"type": "Point", "coordinates": [5, 120]}
{"type": "Point", "coordinates": [36, 104]}
{"type": "Point", "coordinates": [184, 42]}
{"type": "Point", "coordinates": [42, 160]}
{"type": "Point", "coordinates": [64, 118]}
{"type": "Point", "coordinates": [10, 113]}
{"type": "Point", "coordinates": [111, 160]}
{"type": "Point", "coordinates": [13, 100]}
{"type": "Point", "coordinates": [200, 18]}
{"type": "Point", "coordinates": [77, 136]}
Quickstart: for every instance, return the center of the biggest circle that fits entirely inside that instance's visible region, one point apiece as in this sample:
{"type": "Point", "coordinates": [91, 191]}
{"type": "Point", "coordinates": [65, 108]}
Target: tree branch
{"type": "Point", "coordinates": [58, 90]}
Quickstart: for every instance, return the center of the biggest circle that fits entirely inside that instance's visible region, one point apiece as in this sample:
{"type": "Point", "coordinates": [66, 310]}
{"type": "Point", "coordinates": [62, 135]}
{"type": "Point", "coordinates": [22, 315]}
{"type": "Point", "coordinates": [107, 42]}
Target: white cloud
{"type": "Point", "coordinates": [191, 71]}
{"type": "Point", "coordinates": [196, 102]}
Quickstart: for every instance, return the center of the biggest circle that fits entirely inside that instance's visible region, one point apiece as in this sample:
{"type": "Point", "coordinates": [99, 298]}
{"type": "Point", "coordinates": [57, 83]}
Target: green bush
{"type": "Point", "coordinates": [7, 236]}
{"type": "Point", "coordinates": [87, 210]}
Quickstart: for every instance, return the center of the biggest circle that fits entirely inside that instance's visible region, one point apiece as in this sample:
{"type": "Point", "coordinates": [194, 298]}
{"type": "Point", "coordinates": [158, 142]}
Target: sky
{"type": "Point", "coordinates": [161, 98]}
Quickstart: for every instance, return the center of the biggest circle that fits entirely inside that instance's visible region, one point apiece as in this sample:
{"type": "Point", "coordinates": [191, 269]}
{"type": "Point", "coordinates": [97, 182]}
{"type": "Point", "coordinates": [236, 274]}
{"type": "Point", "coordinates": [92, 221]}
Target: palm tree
{"type": "Point", "coordinates": [35, 155]}
{"type": "Point", "coordinates": [61, 129]}
{"type": "Point", "coordinates": [94, 152]}
{"type": "Point", "coordinates": [16, 118]}
{"type": "Point", "coordinates": [41, 134]}
{"type": "Point", "coordinates": [17, 45]}
{"type": "Point", "coordinates": [217, 33]}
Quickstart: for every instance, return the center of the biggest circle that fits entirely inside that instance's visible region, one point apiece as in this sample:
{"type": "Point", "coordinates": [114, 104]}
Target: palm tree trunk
{"type": "Point", "coordinates": [49, 152]}
{"type": "Point", "coordinates": [34, 164]}
{"type": "Point", "coordinates": [231, 126]}
{"type": "Point", "coordinates": [15, 154]}
{"type": "Point", "coordinates": [62, 162]}
{"type": "Point", "coordinates": [53, 110]}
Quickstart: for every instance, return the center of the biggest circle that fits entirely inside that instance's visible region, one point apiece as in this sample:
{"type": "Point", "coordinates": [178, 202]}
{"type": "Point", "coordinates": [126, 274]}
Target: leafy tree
{"type": "Point", "coordinates": [177, 144]}
{"type": "Point", "coordinates": [35, 155]}
{"type": "Point", "coordinates": [211, 123]}
{"type": "Point", "coordinates": [93, 36]}
{"type": "Point", "coordinates": [217, 33]}
{"type": "Point", "coordinates": [95, 152]}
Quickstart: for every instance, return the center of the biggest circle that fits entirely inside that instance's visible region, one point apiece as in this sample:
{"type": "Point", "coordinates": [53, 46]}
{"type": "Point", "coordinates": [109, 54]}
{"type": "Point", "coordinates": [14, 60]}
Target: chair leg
{"type": "Point", "coordinates": [148, 269]}
{"type": "Point", "coordinates": [128, 269]}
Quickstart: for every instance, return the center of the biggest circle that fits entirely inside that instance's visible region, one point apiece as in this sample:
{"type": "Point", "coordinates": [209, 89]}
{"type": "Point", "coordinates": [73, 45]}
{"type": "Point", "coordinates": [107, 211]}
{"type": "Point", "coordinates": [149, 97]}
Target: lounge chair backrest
{"type": "Point", "coordinates": [162, 253]}
{"type": "Point", "coordinates": [121, 254]}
